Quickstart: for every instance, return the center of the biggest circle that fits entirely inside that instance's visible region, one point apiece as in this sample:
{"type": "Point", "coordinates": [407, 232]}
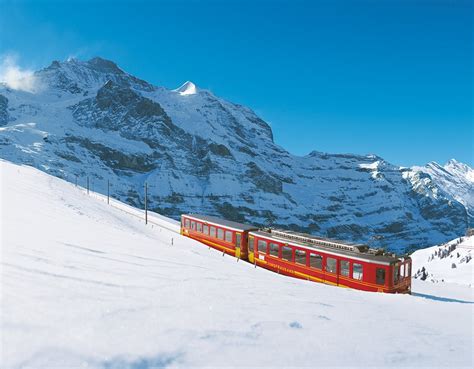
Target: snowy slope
{"type": "Point", "coordinates": [85, 284]}
{"type": "Point", "coordinates": [450, 263]}
{"type": "Point", "coordinates": [201, 153]}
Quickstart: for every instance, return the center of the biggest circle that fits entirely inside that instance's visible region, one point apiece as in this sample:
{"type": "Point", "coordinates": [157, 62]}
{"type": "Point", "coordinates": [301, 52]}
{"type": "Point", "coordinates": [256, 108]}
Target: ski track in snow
{"type": "Point", "coordinates": [86, 284]}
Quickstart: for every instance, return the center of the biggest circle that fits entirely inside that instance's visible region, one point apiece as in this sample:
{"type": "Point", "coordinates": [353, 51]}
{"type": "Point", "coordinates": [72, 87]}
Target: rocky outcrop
{"type": "Point", "coordinates": [3, 110]}
{"type": "Point", "coordinates": [118, 108]}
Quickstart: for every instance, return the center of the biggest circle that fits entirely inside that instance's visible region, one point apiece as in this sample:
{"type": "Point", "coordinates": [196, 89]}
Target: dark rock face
{"type": "Point", "coordinates": [113, 96]}
{"type": "Point", "coordinates": [119, 108]}
{"type": "Point", "coordinates": [3, 110]}
{"type": "Point", "coordinates": [220, 150]}
{"type": "Point", "coordinates": [115, 159]}
{"type": "Point", "coordinates": [105, 66]}
{"type": "Point", "coordinates": [263, 180]}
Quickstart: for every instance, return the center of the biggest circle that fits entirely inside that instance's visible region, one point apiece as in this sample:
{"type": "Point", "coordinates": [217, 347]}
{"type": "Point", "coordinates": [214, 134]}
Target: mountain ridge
{"type": "Point", "coordinates": [201, 153]}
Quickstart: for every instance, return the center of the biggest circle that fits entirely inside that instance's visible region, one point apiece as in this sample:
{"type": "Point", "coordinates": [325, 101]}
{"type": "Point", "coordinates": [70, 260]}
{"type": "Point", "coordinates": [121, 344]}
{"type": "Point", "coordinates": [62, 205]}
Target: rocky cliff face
{"type": "Point", "coordinates": [3, 110]}
{"type": "Point", "coordinates": [200, 153]}
{"type": "Point", "coordinates": [456, 179]}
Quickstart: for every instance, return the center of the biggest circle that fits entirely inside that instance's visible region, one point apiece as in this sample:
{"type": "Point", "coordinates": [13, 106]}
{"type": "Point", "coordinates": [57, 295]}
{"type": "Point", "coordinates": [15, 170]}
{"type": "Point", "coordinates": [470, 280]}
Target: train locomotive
{"type": "Point", "coordinates": [302, 255]}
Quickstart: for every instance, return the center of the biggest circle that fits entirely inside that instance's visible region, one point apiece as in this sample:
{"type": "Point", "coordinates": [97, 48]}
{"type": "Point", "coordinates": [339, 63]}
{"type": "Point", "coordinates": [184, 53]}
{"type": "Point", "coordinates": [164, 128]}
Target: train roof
{"type": "Point", "coordinates": [222, 222]}
{"type": "Point", "coordinates": [351, 250]}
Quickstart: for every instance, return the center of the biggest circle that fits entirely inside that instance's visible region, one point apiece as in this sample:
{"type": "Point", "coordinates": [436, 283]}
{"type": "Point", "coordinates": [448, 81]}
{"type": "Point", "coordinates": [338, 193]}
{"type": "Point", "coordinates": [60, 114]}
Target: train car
{"type": "Point", "coordinates": [327, 261]}
{"type": "Point", "coordinates": [223, 235]}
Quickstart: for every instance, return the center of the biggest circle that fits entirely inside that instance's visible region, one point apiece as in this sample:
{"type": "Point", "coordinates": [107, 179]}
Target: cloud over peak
{"type": "Point", "coordinates": [17, 78]}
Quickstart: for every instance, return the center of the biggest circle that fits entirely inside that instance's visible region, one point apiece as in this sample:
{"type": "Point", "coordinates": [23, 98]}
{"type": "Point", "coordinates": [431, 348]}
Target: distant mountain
{"type": "Point", "coordinates": [201, 153]}
{"type": "Point", "coordinates": [456, 179]}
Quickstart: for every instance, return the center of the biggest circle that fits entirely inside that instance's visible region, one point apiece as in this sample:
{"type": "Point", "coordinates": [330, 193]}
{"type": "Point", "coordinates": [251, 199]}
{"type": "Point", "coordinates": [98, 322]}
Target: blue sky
{"type": "Point", "coordinates": [392, 78]}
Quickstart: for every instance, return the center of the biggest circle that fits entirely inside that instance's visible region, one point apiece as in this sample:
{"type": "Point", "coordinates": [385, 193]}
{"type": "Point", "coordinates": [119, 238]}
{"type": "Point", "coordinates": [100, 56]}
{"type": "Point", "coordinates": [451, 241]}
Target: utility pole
{"type": "Point", "coordinates": [88, 185]}
{"type": "Point", "coordinates": [108, 191]}
{"type": "Point", "coordinates": [146, 203]}
{"type": "Point", "coordinates": [76, 180]}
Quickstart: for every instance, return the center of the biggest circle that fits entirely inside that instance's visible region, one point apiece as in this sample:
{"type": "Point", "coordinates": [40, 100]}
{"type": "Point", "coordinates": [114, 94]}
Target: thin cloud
{"type": "Point", "coordinates": [17, 78]}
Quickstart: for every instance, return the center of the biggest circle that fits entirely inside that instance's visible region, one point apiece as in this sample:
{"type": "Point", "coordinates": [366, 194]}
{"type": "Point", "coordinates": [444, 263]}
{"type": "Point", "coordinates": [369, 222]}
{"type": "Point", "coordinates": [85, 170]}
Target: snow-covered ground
{"type": "Point", "coordinates": [449, 263]}
{"type": "Point", "coordinates": [89, 285]}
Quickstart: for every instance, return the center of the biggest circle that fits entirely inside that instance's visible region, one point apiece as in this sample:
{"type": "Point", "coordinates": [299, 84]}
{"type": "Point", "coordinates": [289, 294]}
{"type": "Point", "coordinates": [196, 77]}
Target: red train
{"type": "Point", "coordinates": [303, 256]}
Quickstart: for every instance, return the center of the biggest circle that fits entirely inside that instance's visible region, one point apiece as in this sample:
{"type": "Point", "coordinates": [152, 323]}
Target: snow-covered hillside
{"type": "Point", "coordinates": [88, 285]}
{"type": "Point", "coordinates": [451, 262]}
{"type": "Point", "coordinates": [201, 153]}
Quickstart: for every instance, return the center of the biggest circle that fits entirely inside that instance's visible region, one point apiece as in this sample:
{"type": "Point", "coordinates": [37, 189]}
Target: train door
{"type": "Point", "coordinates": [331, 267]}
{"type": "Point", "coordinates": [238, 244]}
{"type": "Point", "coordinates": [251, 248]}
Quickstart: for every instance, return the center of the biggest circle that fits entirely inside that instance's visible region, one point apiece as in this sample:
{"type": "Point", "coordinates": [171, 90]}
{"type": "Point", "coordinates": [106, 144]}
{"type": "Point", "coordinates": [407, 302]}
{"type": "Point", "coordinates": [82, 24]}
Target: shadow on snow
{"type": "Point", "coordinates": [438, 298]}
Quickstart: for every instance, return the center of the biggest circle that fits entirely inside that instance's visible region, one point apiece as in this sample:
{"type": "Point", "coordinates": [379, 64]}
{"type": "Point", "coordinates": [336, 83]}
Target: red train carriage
{"type": "Point", "coordinates": [229, 237]}
{"type": "Point", "coordinates": [327, 261]}
{"type": "Point", "coordinates": [303, 256]}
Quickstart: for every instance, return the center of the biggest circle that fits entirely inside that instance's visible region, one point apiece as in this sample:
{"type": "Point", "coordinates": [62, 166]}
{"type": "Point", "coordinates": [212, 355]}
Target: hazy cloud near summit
{"type": "Point", "coordinates": [16, 77]}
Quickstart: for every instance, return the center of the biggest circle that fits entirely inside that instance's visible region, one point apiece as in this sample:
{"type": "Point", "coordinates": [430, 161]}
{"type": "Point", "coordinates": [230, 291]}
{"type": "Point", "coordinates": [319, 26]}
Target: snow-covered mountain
{"type": "Point", "coordinates": [454, 178]}
{"type": "Point", "coordinates": [87, 285]}
{"type": "Point", "coordinates": [201, 153]}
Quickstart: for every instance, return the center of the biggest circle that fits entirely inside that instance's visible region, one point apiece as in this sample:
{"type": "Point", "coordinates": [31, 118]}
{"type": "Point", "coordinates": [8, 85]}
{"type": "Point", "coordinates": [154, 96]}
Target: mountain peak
{"type": "Point", "coordinates": [104, 65]}
{"type": "Point", "coordinates": [453, 163]}
{"type": "Point", "coordinates": [75, 75]}
{"type": "Point", "coordinates": [97, 64]}
{"type": "Point", "coordinates": [459, 168]}
{"type": "Point", "coordinates": [187, 88]}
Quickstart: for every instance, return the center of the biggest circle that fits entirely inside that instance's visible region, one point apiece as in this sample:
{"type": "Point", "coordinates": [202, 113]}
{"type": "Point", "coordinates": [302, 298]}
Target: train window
{"type": "Point", "coordinates": [331, 265]}
{"type": "Point", "coordinates": [187, 223]}
{"type": "Point", "coordinates": [228, 236]}
{"type": "Point", "coordinates": [345, 268]}
{"type": "Point", "coordinates": [315, 261]}
{"type": "Point", "coordinates": [408, 272]}
{"type": "Point", "coordinates": [199, 227]}
{"type": "Point", "coordinates": [205, 229]}
{"type": "Point", "coordinates": [220, 233]}
{"type": "Point", "coordinates": [273, 249]}
{"type": "Point", "coordinates": [380, 276]}
{"type": "Point", "coordinates": [300, 257]}
{"type": "Point", "coordinates": [402, 271]}
{"type": "Point", "coordinates": [237, 239]}
{"type": "Point", "coordinates": [193, 224]}
{"type": "Point", "coordinates": [251, 243]}
{"type": "Point", "coordinates": [262, 246]}
{"type": "Point", "coordinates": [212, 231]}
{"type": "Point", "coordinates": [287, 253]}
{"type": "Point", "coordinates": [357, 271]}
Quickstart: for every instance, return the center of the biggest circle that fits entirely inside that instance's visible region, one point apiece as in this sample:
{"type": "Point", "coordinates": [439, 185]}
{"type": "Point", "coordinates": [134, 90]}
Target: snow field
{"type": "Point", "coordinates": [85, 284]}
